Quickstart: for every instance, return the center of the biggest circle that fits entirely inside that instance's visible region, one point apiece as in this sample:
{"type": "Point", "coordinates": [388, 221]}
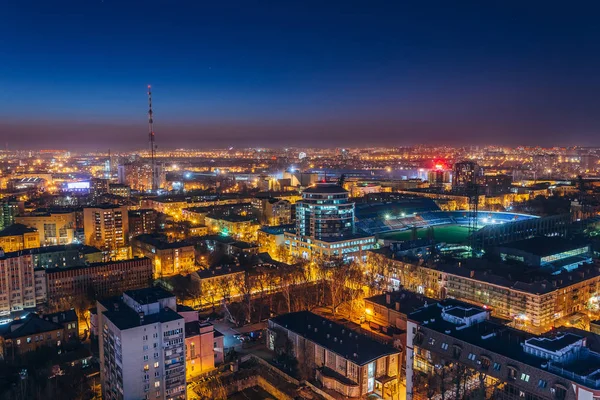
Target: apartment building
{"type": "Point", "coordinates": [142, 221]}
{"type": "Point", "coordinates": [455, 348]}
{"type": "Point", "coordinates": [104, 279]}
{"type": "Point", "coordinates": [106, 226]}
{"type": "Point", "coordinates": [168, 258]}
{"type": "Point", "coordinates": [142, 346]}
{"type": "Point", "coordinates": [531, 297]}
{"type": "Point", "coordinates": [345, 361]}
{"type": "Point", "coordinates": [17, 283]}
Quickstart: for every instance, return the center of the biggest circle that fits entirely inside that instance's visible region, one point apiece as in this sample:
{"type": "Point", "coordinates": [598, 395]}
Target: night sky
{"type": "Point", "coordinates": [73, 74]}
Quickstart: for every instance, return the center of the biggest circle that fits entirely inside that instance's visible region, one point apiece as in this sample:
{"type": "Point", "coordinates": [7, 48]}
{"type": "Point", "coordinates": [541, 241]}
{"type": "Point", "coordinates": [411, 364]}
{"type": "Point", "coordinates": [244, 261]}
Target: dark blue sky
{"type": "Point", "coordinates": [315, 73]}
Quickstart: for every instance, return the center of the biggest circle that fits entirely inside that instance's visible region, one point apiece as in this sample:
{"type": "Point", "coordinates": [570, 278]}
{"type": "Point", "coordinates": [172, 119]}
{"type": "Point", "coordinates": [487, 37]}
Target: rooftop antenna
{"type": "Point", "coordinates": [152, 145]}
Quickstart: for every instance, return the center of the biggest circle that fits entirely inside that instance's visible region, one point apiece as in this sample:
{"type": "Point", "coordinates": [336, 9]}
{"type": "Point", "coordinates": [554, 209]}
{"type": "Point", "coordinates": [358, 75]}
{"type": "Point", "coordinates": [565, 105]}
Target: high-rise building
{"type": "Point", "coordinates": [99, 187]}
{"type": "Point", "coordinates": [325, 226]}
{"type": "Point", "coordinates": [497, 184]}
{"type": "Point", "coordinates": [17, 283]}
{"type": "Point", "coordinates": [8, 211]}
{"type": "Point", "coordinates": [466, 173]}
{"type": "Point", "coordinates": [325, 212]}
{"type": "Point", "coordinates": [438, 177]}
{"type": "Point", "coordinates": [142, 346]}
{"type": "Point", "coordinates": [138, 175]}
{"type": "Point", "coordinates": [106, 226]}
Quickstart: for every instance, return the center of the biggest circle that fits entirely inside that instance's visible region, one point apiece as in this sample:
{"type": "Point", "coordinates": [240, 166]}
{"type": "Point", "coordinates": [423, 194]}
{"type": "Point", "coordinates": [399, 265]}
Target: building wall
{"type": "Point", "coordinates": [167, 262]}
{"type": "Point", "coordinates": [425, 351]}
{"type": "Point", "coordinates": [348, 249]}
{"type": "Point", "coordinates": [30, 240]}
{"type": "Point", "coordinates": [316, 356]}
{"type": "Point", "coordinates": [278, 213]}
{"type": "Point", "coordinates": [106, 228]}
{"type": "Point", "coordinates": [199, 354]}
{"type": "Point", "coordinates": [530, 311]}
{"type": "Point", "coordinates": [17, 284]}
{"type": "Point", "coordinates": [145, 359]}
{"type": "Point", "coordinates": [243, 230]}
{"type": "Point", "coordinates": [25, 344]}
{"type": "Point", "coordinates": [53, 229]}
{"type": "Point", "coordinates": [106, 279]}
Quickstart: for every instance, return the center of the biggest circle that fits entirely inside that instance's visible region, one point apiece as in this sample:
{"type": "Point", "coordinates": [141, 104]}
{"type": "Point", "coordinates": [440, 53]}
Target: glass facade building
{"type": "Point", "coordinates": [325, 213]}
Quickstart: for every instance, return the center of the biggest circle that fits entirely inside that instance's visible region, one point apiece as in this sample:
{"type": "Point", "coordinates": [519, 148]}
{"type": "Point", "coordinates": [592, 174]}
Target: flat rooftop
{"type": "Point", "coordinates": [508, 342]}
{"type": "Point", "coordinates": [325, 188]}
{"type": "Point", "coordinates": [160, 242]}
{"type": "Point", "coordinates": [555, 343]}
{"type": "Point", "coordinates": [407, 301]}
{"type": "Point", "coordinates": [125, 318]}
{"type": "Point", "coordinates": [149, 295]}
{"type": "Point", "coordinates": [543, 246]}
{"type": "Point", "coordinates": [356, 347]}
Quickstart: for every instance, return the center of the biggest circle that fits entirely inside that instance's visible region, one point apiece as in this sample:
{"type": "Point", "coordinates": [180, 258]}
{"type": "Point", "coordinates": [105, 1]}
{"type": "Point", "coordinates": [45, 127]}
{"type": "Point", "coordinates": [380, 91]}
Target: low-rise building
{"type": "Point", "coordinates": [168, 258]}
{"type": "Point", "coordinates": [103, 279]}
{"type": "Point", "coordinates": [534, 299]}
{"type": "Point", "coordinates": [452, 342]}
{"type": "Point", "coordinates": [203, 346]}
{"type": "Point", "coordinates": [241, 227]}
{"type": "Point", "coordinates": [119, 189]}
{"type": "Point", "coordinates": [28, 334]}
{"type": "Point", "coordinates": [219, 282]}
{"type": "Point", "coordinates": [69, 321]}
{"type": "Point", "coordinates": [17, 237]}
{"type": "Point", "coordinates": [553, 253]}
{"type": "Point", "coordinates": [271, 240]}
{"type": "Point", "coordinates": [349, 247]}
{"type": "Point", "coordinates": [54, 227]}
{"type": "Point", "coordinates": [345, 361]}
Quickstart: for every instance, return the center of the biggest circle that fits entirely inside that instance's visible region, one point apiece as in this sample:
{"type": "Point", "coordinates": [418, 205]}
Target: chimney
{"type": "Point", "coordinates": [472, 274]}
{"type": "Point", "coordinates": [397, 306]}
{"type": "Point", "coordinates": [388, 298]}
{"type": "Point", "coordinates": [141, 314]}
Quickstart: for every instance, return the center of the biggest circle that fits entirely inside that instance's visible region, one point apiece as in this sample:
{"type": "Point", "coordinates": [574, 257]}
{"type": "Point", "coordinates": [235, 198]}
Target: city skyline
{"type": "Point", "coordinates": [335, 74]}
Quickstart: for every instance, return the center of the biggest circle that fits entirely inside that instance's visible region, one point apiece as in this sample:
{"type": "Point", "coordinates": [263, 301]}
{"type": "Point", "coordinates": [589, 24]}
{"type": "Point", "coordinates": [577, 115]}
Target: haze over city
{"type": "Point", "coordinates": [299, 200]}
{"type": "Point", "coordinates": [336, 73]}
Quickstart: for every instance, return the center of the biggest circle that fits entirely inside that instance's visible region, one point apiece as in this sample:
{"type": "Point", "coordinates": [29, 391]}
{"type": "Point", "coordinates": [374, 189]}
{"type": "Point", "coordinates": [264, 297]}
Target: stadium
{"type": "Point", "coordinates": [400, 221]}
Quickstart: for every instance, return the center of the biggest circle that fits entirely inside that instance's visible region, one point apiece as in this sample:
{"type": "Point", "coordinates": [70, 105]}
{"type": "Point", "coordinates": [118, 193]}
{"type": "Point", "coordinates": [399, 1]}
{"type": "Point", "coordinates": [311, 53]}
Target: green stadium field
{"type": "Point", "coordinates": [454, 234]}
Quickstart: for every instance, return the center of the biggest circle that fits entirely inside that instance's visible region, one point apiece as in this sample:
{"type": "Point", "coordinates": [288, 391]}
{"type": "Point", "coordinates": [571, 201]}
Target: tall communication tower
{"type": "Point", "coordinates": [152, 145]}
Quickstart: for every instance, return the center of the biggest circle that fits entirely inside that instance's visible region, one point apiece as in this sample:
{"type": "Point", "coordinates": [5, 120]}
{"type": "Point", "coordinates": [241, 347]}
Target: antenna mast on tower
{"type": "Point", "coordinates": [152, 145]}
